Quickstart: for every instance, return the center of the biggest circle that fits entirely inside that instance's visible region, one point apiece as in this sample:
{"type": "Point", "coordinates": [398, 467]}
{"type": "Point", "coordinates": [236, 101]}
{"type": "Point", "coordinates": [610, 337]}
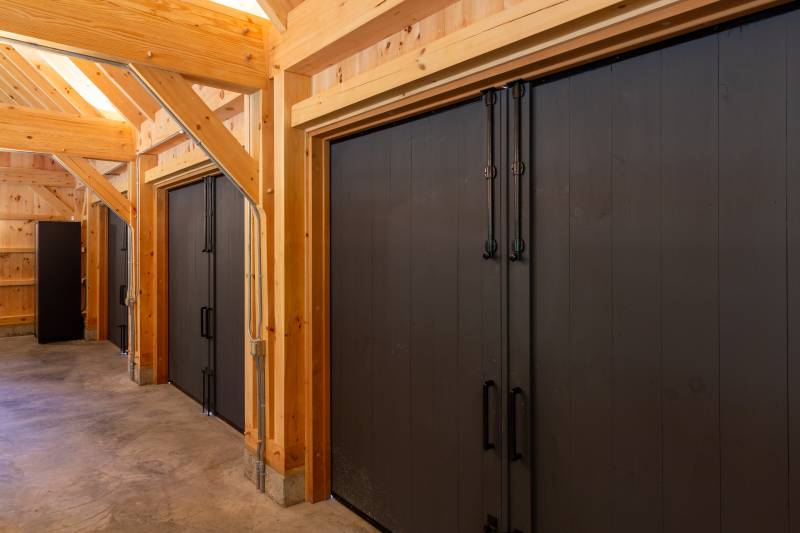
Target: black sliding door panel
{"type": "Point", "coordinates": [415, 332]}
{"type": "Point", "coordinates": [117, 280]}
{"type": "Point", "coordinates": [664, 293]}
{"type": "Point", "coordinates": [793, 257]}
{"type": "Point", "coordinates": [518, 248]}
{"type": "Point", "coordinates": [228, 315]}
{"type": "Point", "coordinates": [189, 288]}
{"type": "Point", "coordinates": [689, 288]}
{"type": "Point", "coordinates": [752, 276]}
{"type": "Point", "coordinates": [550, 255]}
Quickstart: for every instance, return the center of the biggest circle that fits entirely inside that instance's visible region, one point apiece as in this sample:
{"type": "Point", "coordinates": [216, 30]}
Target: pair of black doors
{"type": "Point", "coordinates": [643, 349]}
{"type": "Point", "coordinates": [206, 296]}
{"type": "Point", "coordinates": [117, 281]}
{"type": "Point", "coordinates": [430, 320]}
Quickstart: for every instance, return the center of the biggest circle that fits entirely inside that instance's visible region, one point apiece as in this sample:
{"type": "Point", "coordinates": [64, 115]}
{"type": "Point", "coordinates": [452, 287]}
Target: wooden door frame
{"type": "Point", "coordinates": [631, 35]}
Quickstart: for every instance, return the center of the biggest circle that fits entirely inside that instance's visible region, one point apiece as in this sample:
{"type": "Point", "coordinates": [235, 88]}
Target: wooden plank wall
{"type": "Point", "coordinates": [20, 207]}
{"type": "Point", "coordinates": [454, 17]}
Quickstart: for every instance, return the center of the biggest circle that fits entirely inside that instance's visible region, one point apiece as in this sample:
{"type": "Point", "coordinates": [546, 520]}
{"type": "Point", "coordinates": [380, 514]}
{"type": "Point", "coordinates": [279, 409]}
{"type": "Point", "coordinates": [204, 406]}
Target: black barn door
{"type": "Point", "coordinates": [418, 390]}
{"type": "Point", "coordinates": [228, 323]}
{"type": "Point", "coordinates": [117, 280]}
{"type": "Point", "coordinates": [667, 233]}
{"type": "Point", "coordinates": [206, 295]}
{"type": "Point", "coordinates": [189, 290]}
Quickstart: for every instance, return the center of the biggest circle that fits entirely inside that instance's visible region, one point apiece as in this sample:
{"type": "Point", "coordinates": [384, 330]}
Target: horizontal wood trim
{"type": "Point", "coordinates": [608, 32]}
{"type": "Point", "coordinates": [18, 250]}
{"type": "Point", "coordinates": [16, 320]}
{"type": "Point", "coordinates": [36, 130]}
{"type": "Point", "coordinates": [197, 38]}
{"type": "Point", "coordinates": [35, 176]}
{"type": "Point", "coordinates": [321, 32]}
{"type": "Point", "coordinates": [31, 216]}
{"type": "Point", "coordinates": [16, 282]}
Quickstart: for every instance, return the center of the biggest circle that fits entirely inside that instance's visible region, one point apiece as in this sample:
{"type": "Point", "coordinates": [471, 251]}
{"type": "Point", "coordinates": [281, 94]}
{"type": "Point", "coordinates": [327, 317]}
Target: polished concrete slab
{"type": "Point", "coordinates": [82, 448]}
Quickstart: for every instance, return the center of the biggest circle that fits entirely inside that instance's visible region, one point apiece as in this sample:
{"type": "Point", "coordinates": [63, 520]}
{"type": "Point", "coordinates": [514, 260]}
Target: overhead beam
{"type": "Point", "coordinates": [85, 172]}
{"type": "Point", "coordinates": [277, 11]}
{"type": "Point", "coordinates": [197, 38]}
{"type": "Point", "coordinates": [203, 126]}
{"type": "Point", "coordinates": [36, 130]}
{"type": "Point", "coordinates": [321, 33]}
{"type": "Point", "coordinates": [53, 200]}
{"type": "Point", "coordinates": [35, 176]}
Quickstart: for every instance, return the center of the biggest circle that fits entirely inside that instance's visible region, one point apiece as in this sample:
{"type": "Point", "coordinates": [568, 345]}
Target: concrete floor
{"type": "Point", "coordinates": [82, 448]}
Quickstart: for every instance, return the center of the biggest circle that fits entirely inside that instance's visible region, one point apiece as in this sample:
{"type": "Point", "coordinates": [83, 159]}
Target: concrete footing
{"type": "Point", "coordinates": [137, 374]}
{"type": "Point", "coordinates": [285, 490]}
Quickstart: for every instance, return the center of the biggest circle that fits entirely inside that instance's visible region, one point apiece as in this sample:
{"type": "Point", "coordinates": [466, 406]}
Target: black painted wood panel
{"type": "Point", "coordinates": [117, 256]}
{"type": "Point", "coordinates": [793, 259]}
{"type": "Point", "coordinates": [58, 281]}
{"type": "Point", "coordinates": [228, 316]}
{"type": "Point", "coordinates": [752, 276]}
{"type": "Point", "coordinates": [689, 289]}
{"type": "Point", "coordinates": [666, 266]}
{"type": "Point", "coordinates": [414, 325]}
{"type": "Point", "coordinates": [189, 288]}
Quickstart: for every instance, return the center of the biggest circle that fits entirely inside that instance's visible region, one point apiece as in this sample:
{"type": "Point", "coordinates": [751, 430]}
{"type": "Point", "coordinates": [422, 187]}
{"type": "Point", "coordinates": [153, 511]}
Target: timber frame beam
{"type": "Point", "coordinates": [203, 126]}
{"type": "Point", "coordinates": [197, 38]}
{"type": "Point", "coordinates": [85, 172]}
{"type": "Point", "coordinates": [311, 42]}
{"type": "Point", "coordinates": [36, 130]}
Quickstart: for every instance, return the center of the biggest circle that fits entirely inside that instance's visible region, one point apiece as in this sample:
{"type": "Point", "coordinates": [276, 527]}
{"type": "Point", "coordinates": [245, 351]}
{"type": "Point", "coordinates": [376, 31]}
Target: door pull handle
{"type": "Point", "coordinates": [487, 443]}
{"type": "Point", "coordinates": [513, 452]}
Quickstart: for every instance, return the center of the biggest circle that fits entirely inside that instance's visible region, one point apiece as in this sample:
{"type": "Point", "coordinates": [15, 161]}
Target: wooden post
{"type": "Point", "coordinates": [96, 273]}
{"type": "Point", "coordinates": [145, 294]}
{"type": "Point", "coordinates": [286, 448]}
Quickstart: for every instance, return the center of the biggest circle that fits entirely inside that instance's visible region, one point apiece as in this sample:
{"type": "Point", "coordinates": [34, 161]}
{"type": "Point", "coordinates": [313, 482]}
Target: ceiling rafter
{"type": "Point", "coordinates": [60, 84]}
{"type": "Point", "coordinates": [13, 72]}
{"type": "Point", "coordinates": [57, 101]}
{"type": "Point", "coordinates": [117, 97]}
{"type": "Point", "coordinates": [130, 86]}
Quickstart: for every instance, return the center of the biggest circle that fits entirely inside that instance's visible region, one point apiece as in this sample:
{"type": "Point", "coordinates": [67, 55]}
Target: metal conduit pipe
{"type": "Point", "coordinates": [130, 300]}
{"type": "Point", "coordinates": [257, 344]}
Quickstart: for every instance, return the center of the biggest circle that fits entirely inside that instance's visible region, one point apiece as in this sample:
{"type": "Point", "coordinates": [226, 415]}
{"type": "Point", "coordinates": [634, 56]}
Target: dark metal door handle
{"type": "Point", "coordinates": [490, 172]}
{"type": "Point", "coordinates": [517, 170]}
{"type": "Point", "coordinates": [123, 290]}
{"type": "Point", "coordinates": [513, 453]}
{"type": "Point", "coordinates": [209, 311]}
{"type": "Point", "coordinates": [203, 321]}
{"type": "Point", "coordinates": [487, 386]}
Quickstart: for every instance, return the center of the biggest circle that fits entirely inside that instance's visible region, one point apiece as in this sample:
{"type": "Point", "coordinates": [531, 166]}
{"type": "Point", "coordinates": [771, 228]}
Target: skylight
{"type": "Point", "coordinates": [72, 74]}
{"type": "Point", "coordinates": [248, 6]}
